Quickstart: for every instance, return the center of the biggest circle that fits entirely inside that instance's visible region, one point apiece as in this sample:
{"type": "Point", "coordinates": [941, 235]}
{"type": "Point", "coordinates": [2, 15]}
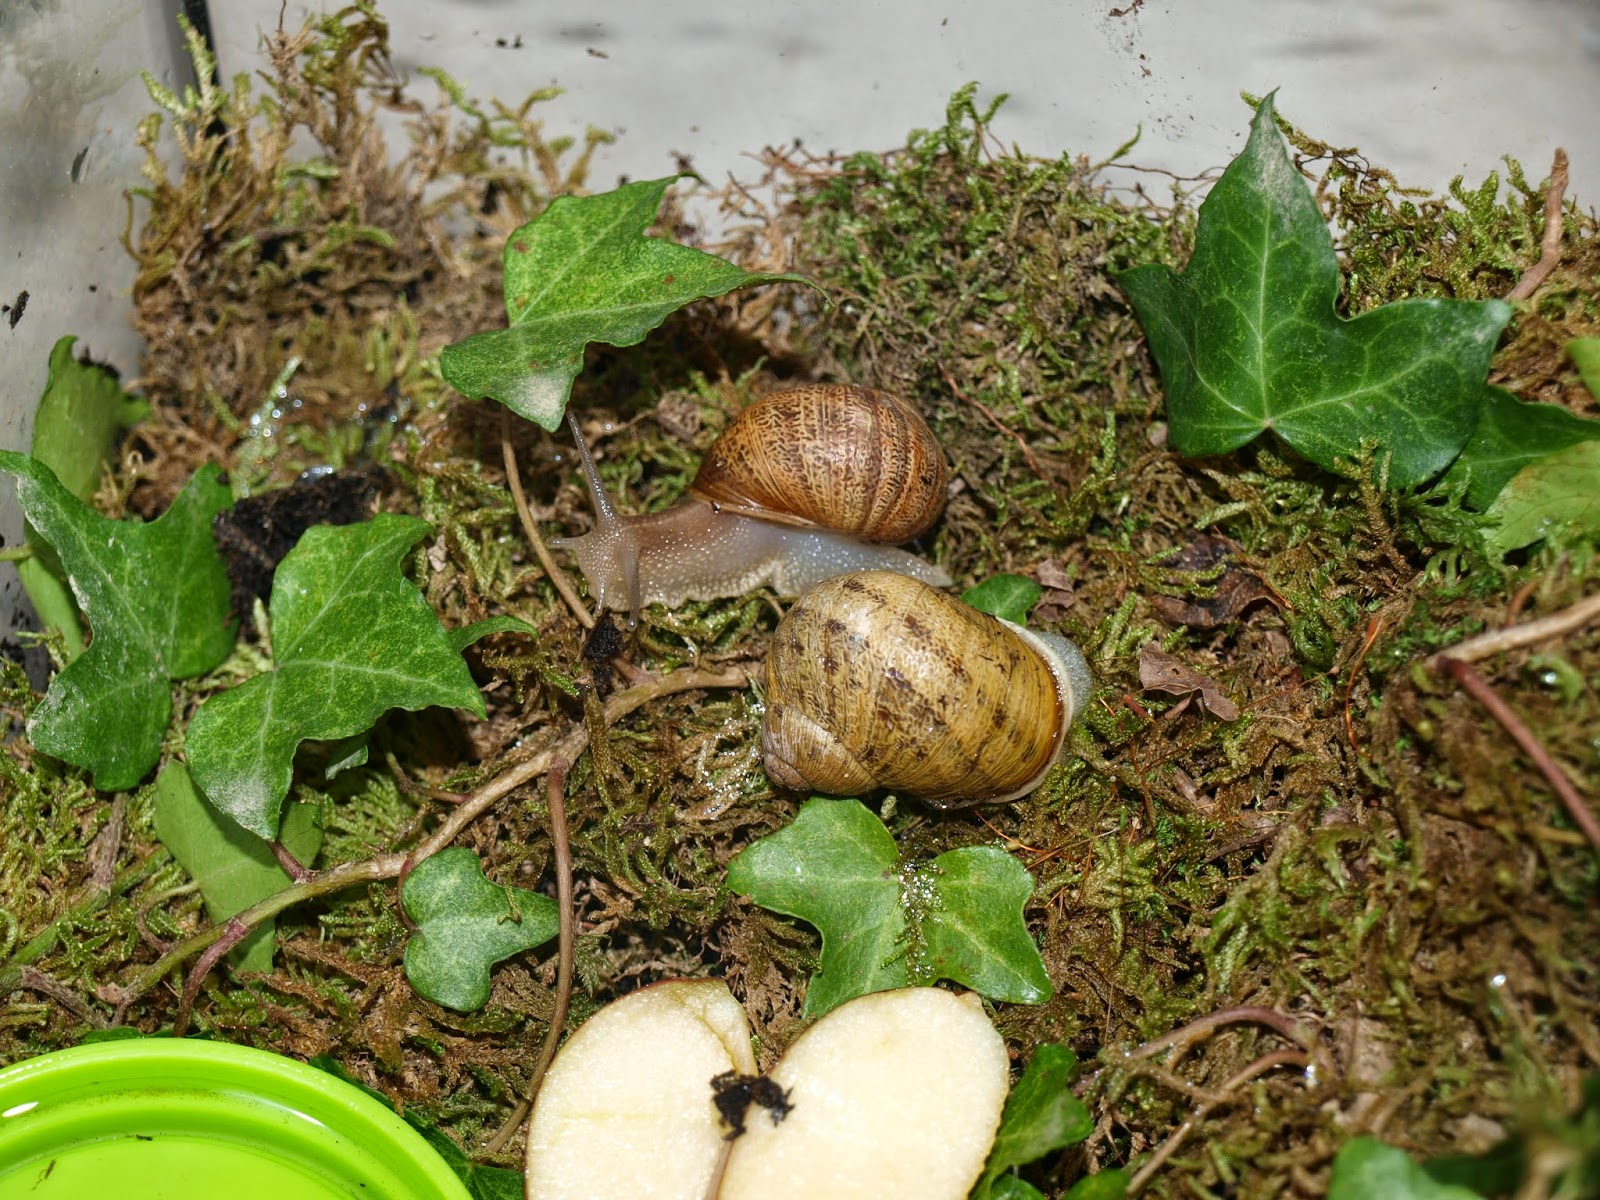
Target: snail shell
{"type": "Point", "coordinates": [877, 680]}
{"type": "Point", "coordinates": [849, 458]}
{"type": "Point", "coordinates": [802, 485]}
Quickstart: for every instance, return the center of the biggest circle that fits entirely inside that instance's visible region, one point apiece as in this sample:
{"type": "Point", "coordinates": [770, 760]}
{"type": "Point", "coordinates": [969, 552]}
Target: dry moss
{"type": "Point", "coordinates": [1361, 849]}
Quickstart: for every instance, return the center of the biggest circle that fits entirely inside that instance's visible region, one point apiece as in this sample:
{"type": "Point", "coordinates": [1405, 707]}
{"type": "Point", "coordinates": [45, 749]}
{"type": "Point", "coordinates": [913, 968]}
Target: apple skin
{"type": "Point", "coordinates": [626, 1109]}
{"type": "Point", "coordinates": [895, 1096]}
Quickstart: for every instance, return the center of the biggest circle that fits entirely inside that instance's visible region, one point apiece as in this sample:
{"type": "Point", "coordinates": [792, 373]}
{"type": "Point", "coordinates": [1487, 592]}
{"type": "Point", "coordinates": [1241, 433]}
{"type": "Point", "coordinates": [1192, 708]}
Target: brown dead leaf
{"type": "Point", "coordinates": [1236, 588]}
{"type": "Point", "coordinates": [1162, 672]}
{"type": "Point", "coordinates": [1059, 594]}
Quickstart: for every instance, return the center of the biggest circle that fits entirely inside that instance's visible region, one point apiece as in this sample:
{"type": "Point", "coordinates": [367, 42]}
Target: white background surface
{"type": "Point", "coordinates": [1429, 88]}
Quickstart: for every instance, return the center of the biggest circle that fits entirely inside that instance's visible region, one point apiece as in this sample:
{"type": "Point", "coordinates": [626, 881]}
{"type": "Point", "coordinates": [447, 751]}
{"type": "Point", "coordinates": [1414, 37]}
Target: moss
{"type": "Point", "coordinates": [1361, 849]}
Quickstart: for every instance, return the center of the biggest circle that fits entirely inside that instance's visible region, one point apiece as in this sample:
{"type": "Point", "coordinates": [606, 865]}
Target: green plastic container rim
{"type": "Point", "coordinates": [153, 1118]}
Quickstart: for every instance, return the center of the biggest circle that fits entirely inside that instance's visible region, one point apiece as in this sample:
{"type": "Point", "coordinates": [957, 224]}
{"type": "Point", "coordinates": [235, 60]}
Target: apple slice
{"type": "Point", "coordinates": [627, 1108]}
{"type": "Point", "coordinates": [895, 1094]}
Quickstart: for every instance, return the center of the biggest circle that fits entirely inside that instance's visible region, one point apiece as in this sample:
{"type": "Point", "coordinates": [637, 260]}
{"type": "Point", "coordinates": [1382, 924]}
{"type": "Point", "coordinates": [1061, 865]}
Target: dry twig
{"type": "Point", "coordinates": [1550, 249]}
{"type": "Point", "coordinates": [1497, 641]}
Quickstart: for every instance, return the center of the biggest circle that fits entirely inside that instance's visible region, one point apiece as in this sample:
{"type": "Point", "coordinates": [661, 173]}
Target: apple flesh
{"type": "Point", "coordinates": [895, 1094]}
{"type": "Point", "coordinates": [892, 1096]}
{"type": "Point", "coordinates": [626, 1109]}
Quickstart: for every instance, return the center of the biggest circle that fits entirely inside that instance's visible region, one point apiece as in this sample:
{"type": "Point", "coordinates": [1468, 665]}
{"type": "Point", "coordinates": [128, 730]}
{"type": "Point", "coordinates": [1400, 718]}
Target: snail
{"type": "Point", "coordinates": [799, 487]}
{"type": "Point", "coordinates": [878, 680]}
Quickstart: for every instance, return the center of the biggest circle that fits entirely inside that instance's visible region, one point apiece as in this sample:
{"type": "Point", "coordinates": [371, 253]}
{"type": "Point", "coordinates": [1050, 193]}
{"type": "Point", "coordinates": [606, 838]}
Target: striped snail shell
{"type": "Point", "coordinates": [876, 679]}
{"type": "Point", "coordinates": [849, 458]}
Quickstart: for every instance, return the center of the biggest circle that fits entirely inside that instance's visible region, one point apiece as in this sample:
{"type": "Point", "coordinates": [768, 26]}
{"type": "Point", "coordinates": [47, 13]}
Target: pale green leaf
{"type": "Point", "coordinates": [233, 869]}
{"type": "Point", "coordinates": [156, 598]}
{"type": "Point", "coordinates": [1009, 597]}
{"type": "Point", "coordinates": [1366, 1169]}
{"type": "Point", "coordinates": [584, 271]}
{"type": "Point", "coordinates": [1556, 499]}
{"type": "Point", "coordinates": [466, 924]}
{"type": "Point", "coordinates": [352, 638]}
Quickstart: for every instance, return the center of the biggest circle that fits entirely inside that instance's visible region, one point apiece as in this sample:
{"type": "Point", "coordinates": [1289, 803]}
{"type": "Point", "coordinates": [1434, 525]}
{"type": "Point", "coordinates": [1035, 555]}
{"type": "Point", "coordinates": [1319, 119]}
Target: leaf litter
{"type": "Point", "coordinates": [1360, 852]}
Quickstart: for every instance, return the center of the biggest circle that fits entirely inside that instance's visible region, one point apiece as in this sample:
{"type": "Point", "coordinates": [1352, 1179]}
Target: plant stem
{"type": "Point", "coordinates": [1481, 691]}
{"type": "Point", "coordinates": [531, 530]}
{"type": "Point", "coordinates": [16, 553]}
{"type": "Point", "coordinates": [389, 866]}
{"type": "Point", "coordinates": [1550, 249]}
{"type": "Point", "coordinates": [1496, 641]}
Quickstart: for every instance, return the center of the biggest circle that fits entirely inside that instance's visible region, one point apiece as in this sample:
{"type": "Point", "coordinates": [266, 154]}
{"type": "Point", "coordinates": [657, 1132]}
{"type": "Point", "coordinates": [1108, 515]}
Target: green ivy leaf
{"type": "Point", "coordinates": [233, 869]}
{"type": "Point", "coordinates": [351, 639]}
{"type": "Point", "coordinates": [885, 925]}
{"type": "Point", "coordinates": [156, 597]}
{"type": "Point", "coordinates": [1107, 1185]}
{"type": "Point", "coordinates": [1585, 355]}
{"type": "Point", "coordinates": [465, 924]}
{"type": "Point", "coordinates": [1041, 1115]}
{"type": "Point", "coordinates": [1556, 499]}
{"type": "Point", "coordinates": [1009, 1187]}
{"type": "Point", "coordinates": [1365, 1168]}
{"type": "Point", "coordinates": [74, 429]}
{"type": "Point", "coordinates": [583, 271]}
{"type": "Point", "coordinates": [1510, 435]}
{"type": "Point", "coordinates": [1009, 597]}
{"type": "Point", "coordinates": [1247, 338]}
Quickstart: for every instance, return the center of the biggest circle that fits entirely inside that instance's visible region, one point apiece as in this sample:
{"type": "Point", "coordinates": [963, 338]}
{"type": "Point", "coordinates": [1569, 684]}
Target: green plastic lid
{"type": "Point", "coordinates": [153, 1118]}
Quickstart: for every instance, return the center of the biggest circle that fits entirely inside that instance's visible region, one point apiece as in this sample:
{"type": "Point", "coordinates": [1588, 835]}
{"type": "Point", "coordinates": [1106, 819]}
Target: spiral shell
{"type": "Point", "coordinates": [878, 680]}
{"type": "Point", "coordinates": [849, 458]}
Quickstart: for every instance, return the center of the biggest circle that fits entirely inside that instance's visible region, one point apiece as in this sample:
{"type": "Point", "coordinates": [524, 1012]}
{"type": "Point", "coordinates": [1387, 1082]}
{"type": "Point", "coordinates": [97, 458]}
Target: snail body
{"type": "Point", "coordinates": [802, 485]}
{"type": "Point", "coordinates": [879, 680]}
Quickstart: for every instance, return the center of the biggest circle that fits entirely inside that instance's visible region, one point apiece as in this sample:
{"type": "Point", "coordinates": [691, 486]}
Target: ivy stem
{"type": "Point", "coordinates": [1496, 641]}
{"type": "Point", "coordinates": [1550, 248]}
{"type": "Point", "coordinates": [390, 866]}
{"type": "Point", "coordinates": [531, 530]}
{"type": "Point", "coordinates": [16, 553]}
{"type": "Point", "coordinates": [232, 934]}
{"type": "Point", "coordinates": [555, 792]}
{"type": "Point", "coordinates": [1481, 691]}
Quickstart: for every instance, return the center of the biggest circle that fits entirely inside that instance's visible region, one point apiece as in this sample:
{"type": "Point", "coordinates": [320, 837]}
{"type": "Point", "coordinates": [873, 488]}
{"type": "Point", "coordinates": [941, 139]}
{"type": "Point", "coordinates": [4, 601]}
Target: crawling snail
{"type": "Point", "coordinates": [798, 488]}
{"type": "Point", "coordinates": [878, 680]}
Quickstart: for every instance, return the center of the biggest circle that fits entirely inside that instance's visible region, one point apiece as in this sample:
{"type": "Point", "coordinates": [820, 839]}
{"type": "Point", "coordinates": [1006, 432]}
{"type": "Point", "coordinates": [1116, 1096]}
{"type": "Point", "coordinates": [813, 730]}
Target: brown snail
{"type": "Point", "coordinates": [799, 487]}
{"type": "Point", "coordinates": [878, 680]}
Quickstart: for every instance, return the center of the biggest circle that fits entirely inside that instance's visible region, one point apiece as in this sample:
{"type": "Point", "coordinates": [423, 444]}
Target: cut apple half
{"type": "Point", "coordinates": [627, 1108]}
{"type": "Point", "coordinates": [893, 1096]}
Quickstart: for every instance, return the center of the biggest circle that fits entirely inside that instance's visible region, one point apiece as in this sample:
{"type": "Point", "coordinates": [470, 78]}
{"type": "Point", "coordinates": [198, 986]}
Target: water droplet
{"type": "Point", "coordinates": [1497, 980]}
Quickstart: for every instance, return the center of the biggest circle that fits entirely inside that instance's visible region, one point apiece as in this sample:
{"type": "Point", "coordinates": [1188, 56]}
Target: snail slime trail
{"type": "Point", "coordinates": [803, 485]}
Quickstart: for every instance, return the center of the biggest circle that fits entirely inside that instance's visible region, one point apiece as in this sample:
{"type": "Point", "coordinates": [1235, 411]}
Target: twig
{"type": "Point", "coordinates": [555, 785]}
{"type": "Point", "coordinates": [531, 530]}
{"type": "Point", "coordinates": [1175, 1139]}
{"type": "Point", "coordinates": [1550, 249]}
{"type": "Point", "coordinates": [1203, 1027]}
{"type": "Point", "coordinates": [1485, 695]}
{"type": "Point", "coordinates": [389, 866]}
{"type": "Point", "coordinates": [54, 989]}
{"type": "Point", "coordinates": [292, 866]}
{"type": "Point", "coordinates": [1027, 451]}
{"type": "Point", "coordinates": [1497, 641]}
{"type": "Point", "coordinates": [1374, 628]}
{"type": "Point", "coordinates": [234, 933]}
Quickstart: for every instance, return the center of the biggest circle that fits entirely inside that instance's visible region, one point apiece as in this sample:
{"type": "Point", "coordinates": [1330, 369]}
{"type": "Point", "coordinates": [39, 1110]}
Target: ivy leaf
{"type": "Point", "coordinates": [1365, 1168]}
{"type": "Point", "coordinates": [1585, 355]}
{"type": "Point", "coordinates": [352, 638]}
{"type": "Point", "coordinates": [465, 924]}
{"type": "Point", "coordinates": [156, 597]}
{"type": "Point", "coordinates": [583, 271]}
{"type": "Point", "coordinates": [885, 924]}
{"type": "Point", "coordinates": [1041, 1115]}
{"type": "Point", "coordinates": [1556, 498]}
{"type": "Point", "coordinates": [1510, 435]}
{"type": "Point", "coordinates": [233, 869]}
{"type": "Point", "coordinates": [77, 422]}
{"type": "Point", "coordinates": [1107, 1185]}
{"type": "Point", "coordinates": [1009, 597]}
{"type": "Point", "coordinates": [1247, 338]}
{"type": "Point", "coordinates": [974, 932]}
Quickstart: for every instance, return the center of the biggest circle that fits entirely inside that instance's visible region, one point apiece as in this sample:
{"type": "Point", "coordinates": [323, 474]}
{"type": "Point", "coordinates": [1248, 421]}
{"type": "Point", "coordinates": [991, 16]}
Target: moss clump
{"type": "Point", "coordinates": [1360, 851]}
